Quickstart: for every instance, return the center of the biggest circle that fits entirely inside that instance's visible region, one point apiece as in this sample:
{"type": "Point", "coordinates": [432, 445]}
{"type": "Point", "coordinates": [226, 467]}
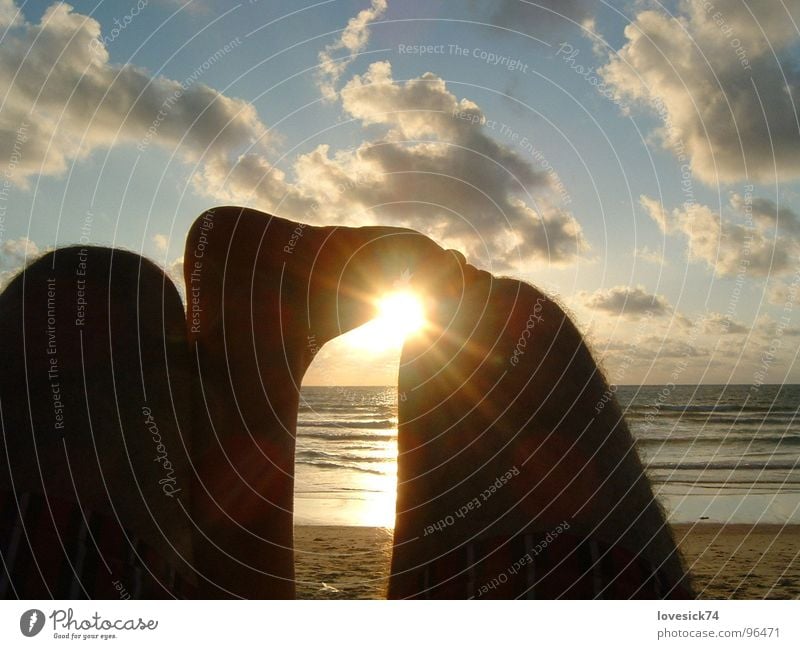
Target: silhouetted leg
{"type": "Point", "coordinates": [263, 295]}
{"type": "Point", "coordinates": [94, 403]}
{"type": "Point", "coordinates": [510, 482]}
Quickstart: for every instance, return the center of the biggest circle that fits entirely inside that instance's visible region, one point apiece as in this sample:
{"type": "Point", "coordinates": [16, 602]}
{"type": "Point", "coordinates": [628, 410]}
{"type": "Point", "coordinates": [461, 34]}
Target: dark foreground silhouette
{"type": "Point", "coordinates": [517, 475]}
{"type": "Point", "coordinates": [95, 399]}
{"type": "Point", "coordinates": [149, 452]}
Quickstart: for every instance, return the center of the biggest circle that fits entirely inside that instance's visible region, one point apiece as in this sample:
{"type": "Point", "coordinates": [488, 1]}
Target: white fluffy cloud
{"type": "Point", "coordinates": [64, 99]}
{"type": "Point", "coordinates": [725, 90]}
{"type": "Point", "coordinates": [432, 170]}
{"type": "Point", "coordinates": [726, 246]}
{"type": "Point", "coordinates": [333, 60]}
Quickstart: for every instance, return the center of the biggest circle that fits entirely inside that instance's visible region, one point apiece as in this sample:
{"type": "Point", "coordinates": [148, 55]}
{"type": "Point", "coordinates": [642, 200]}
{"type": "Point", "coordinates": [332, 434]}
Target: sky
{"type": "Point", "coordinates": [637, 160]}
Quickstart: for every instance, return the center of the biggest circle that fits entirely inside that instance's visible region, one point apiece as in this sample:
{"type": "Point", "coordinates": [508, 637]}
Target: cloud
{"type": "Point", "coordinates": [725, 92]}
{"type": "Point", "coordinates": [251, 180]}
{"type": "Point", "coordinates": [436, 159]}
{"type": "Point", "coordinates": [174, 271]}
{"type": "Point", "coordinates": [619, 354]}
{"type": "Point", "coordinates": [161, 242]}
{"type": "Point", "coordinates": [655, 210]}
{"type": "Point", "coordinates": [435, 169]}
{"type": "Point", "coordinates": [768, 214]}
{"type": "Point", "coordinates": [335, 58]}
{"type": "Point", "coordinates": [768, 329]}
{"type": "Point", "coordinates": [9, 13]}
{"type": "Point", "coordinates": [651, 256]}
{"type": "Point", "coordinates": [654, 347]}
{"type": "Point", "coordinates": [783, 293]}
{"type": "Point", "coordinates": [777, 293]}
{"type": "Point", "coordinates": [15, 254]}
{"type": "Point", "coordinates": [64, 100]}
{"type": "Point", "coordinates": [630, 301]}
{"type": "Point", "coordinates": [727, 247]}
{"type": "Point", "coordinates": [717, 324]}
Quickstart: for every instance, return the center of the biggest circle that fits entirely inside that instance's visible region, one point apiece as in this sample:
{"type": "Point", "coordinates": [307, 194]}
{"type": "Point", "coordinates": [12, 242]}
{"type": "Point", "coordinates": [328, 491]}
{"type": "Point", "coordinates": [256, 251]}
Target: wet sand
{"type": "Point", "coordinates": [727, 561]}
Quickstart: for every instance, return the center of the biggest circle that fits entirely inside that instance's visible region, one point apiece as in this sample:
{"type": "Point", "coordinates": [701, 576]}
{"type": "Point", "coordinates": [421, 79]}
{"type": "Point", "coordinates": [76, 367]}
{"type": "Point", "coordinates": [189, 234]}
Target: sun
{"type": "Point", "coordinates": [399, 314]}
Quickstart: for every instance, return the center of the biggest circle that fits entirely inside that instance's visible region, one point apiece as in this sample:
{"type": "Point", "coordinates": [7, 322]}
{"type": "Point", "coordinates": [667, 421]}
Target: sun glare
{"type": "Point", "coordinates": [399, 314]}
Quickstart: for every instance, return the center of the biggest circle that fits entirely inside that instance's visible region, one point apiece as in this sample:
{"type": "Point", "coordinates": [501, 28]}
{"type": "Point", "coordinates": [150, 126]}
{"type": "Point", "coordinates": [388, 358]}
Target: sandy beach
{"type": "Point", "coordinates": [727, 561]}
{"type": "Point", "coordinates": [742, 561]}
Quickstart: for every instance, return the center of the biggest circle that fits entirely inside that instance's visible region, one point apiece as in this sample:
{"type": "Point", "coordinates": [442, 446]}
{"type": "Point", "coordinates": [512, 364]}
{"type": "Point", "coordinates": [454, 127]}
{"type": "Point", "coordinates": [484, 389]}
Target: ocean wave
{"type": "Point", "coordinates": [730, 438]}
{"type": "Point", "coordinates": [668, 418]}
{"type": "Point", "coordinates": [376, 424]}
{"type": "Point", "coordinates": [724, 465]}
{"type": "Point", "coordinates": [351, 408]}
{"type": "Point", "coordinates": [707, 408]}
{"type": "Point", "coordinates": [310, 455]}
{"type": "Point", "coordinates": [338, 435]}
{"type": "Point", "coordinates": [734, 487]}
{"type": "Point", "coordinates": [334, 492]}
{"type": "Point", "coordinates": [321, 464]}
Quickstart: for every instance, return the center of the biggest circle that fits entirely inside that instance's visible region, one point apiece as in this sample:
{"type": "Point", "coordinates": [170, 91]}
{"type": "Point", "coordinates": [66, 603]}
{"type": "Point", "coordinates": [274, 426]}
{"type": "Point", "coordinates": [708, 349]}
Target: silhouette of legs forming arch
{"type": "Point", "coordinates": [198, 413]}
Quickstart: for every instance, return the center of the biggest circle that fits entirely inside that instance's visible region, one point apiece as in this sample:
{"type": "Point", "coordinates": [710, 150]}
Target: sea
{"type": "Point", "coordinates": [715, 453]}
